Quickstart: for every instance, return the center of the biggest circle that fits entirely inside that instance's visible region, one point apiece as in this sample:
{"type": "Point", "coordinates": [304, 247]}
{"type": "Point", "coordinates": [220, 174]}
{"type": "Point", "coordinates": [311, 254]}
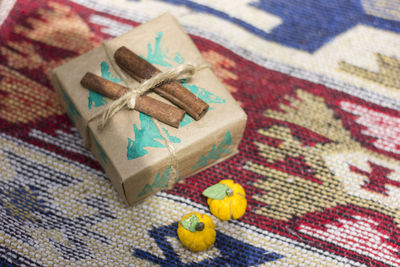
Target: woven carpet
{"type": "Point", "coordinates": [319, 81]}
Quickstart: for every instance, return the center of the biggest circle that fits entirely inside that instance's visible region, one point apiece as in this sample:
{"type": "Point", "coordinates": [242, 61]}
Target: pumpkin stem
{"type": "Point", "coordinates": [229, 192]}
{"type": "Point", "coordinates": [200, 226]}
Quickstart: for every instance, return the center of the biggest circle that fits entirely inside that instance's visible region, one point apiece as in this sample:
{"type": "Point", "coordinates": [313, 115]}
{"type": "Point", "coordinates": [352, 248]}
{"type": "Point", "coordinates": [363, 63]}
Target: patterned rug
{"type": "Point", "coordinates": [319, 81]}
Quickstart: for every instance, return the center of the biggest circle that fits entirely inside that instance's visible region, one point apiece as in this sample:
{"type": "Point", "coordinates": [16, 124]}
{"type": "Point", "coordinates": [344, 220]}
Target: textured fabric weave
{"type": "Point", "coordinates": [320, 158]}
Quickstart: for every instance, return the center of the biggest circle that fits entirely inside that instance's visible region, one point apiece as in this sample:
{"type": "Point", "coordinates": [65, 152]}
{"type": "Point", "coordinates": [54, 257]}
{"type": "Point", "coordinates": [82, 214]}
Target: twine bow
{"type": "Point", "coordinates": [128, 100]}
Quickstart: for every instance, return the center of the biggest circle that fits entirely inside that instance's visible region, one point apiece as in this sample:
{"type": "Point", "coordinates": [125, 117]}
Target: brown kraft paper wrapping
{"type": "Point", "coordinates": [131, 148]}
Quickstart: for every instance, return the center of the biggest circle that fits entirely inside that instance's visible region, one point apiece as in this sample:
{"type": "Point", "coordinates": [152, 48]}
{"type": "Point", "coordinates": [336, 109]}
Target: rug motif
{"type": "Point", "coordinates": [319, 159]}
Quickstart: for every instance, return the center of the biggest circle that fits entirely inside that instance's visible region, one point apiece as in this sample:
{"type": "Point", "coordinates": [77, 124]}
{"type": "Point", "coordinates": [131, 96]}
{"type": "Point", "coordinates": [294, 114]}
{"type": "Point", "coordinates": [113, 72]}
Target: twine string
{"type": "Point", "coordinates": [128, 100]}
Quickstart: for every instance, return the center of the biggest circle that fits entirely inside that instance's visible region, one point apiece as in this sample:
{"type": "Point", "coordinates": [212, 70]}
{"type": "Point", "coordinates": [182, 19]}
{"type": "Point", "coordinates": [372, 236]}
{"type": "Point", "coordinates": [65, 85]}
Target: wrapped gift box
{"type": "Point", "coordinates": [131, 149]}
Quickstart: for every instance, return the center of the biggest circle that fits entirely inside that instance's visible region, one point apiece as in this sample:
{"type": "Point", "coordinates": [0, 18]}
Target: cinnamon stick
{"type": "Point", "coordinates": [161, 111]}
{"type": "Point", "coordinates": [139, 69]}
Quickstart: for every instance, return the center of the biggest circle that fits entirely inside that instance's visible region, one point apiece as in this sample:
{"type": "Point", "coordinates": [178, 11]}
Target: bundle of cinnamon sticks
{"type": "Point", "coordinates": [141, 70]}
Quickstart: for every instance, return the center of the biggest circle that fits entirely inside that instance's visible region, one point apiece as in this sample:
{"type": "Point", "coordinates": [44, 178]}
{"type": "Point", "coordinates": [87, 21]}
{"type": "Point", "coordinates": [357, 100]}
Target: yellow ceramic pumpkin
{"type": "Point", "coordinates": [196, 231]}
{"type": "Point", "coordinates": [227, 200]}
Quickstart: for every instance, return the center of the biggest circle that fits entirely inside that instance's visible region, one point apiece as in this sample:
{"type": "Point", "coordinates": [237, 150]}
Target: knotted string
{"type": "Point", "coordinates": [128, 100]}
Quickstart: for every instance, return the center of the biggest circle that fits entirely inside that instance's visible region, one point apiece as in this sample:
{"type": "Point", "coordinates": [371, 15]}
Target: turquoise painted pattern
{"type": "Point", "coordinates": [179, 58]}
{"type": "Point", "coordinates": [204, 95]}
{"type": "Point", "coordinates": [216, 152]}
{"type": "Point", "coordinates": [95, 98]}
{"type": "Point", "coordinates": [147, 136]}
{"type": "Point", "coordinates": [106, 74]}
{"type": "Point", "coordinates": [160, 182]}
{"type": "Point", "coordinates": [158, 56]}
{"type": "Point", "coordinates": [72, 111]}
